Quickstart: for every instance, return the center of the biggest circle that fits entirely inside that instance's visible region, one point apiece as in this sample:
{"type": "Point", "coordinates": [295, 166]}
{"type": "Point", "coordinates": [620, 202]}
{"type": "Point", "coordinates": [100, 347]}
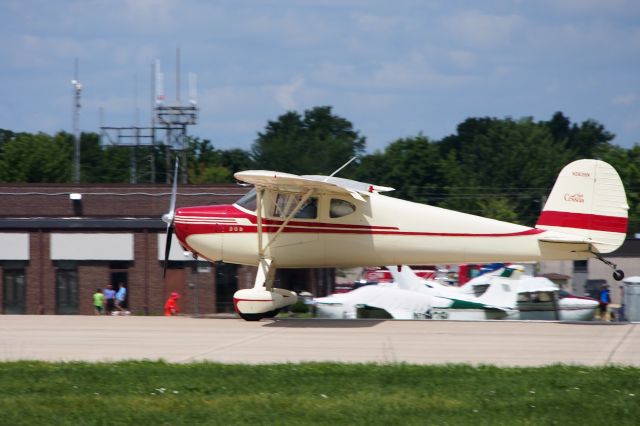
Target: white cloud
{"type": "Point", "coordinates": [480, 29]}
{"type": "Point", "coordinates": [381, 23]}
{"type": "Point", "coordinates": [626, 99]}
{"type": "Point", "coordinates": [462, 58]}
{"type": "Point", "coordinates": [594, 7]}
{"type": "Point", "coordinates": [285, 93]}
{"type": "Point", "coordinates": [412, 72]}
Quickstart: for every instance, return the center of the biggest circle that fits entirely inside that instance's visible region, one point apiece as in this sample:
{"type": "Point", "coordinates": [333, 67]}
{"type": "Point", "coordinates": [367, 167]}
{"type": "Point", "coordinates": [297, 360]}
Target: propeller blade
{"type": "Point", "coordinates": [169, 218]}
{"type": "Point", "coordinates": [167, 249]}
{"type": "Point", "coordinates": [174, 190]}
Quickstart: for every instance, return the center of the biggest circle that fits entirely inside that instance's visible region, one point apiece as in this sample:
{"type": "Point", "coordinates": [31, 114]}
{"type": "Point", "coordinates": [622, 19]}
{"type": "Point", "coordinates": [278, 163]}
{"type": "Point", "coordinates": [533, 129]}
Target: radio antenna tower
{"type": "Point", "coordinates": [77, 91]}
{"type": "Point", "coordinates": [169, 118]}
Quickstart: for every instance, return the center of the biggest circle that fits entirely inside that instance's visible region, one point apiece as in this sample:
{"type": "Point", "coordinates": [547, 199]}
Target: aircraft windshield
{"type": "Point", "coordinates": [248, 201]}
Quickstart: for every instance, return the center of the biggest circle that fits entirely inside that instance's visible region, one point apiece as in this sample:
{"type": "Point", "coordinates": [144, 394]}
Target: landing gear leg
{"type": "Point", "coordinates": [618, 274]}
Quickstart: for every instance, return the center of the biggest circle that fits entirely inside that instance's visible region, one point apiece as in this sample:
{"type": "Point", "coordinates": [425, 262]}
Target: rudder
{"type": "Point", "coordinates": [588, 200]}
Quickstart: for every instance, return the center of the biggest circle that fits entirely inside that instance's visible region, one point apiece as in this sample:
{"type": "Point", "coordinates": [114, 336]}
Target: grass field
{"type": "Point", "coordinates": [155, 393]}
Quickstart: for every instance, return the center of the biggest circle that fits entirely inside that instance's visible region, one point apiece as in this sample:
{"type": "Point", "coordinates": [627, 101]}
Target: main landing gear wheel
{"type": "Point", "coordinates": [258, 317]}
{"type": "Point", "coordinates": [251, 317]}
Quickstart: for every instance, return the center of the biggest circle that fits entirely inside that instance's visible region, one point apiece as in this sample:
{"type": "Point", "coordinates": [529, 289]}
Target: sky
{"type": "Point", "coordinates": [394, 69]}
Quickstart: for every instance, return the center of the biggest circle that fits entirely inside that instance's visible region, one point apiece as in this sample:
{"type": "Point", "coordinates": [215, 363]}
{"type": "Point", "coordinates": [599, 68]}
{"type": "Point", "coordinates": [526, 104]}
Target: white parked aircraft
{"type": "Point", "coordinates": [397, 302]}
{"type": "Point", "coordinates": [412, 297]}
{"type": "Point", "coordinates": [291, 221]}
{"type": "Point", "coordinates": [503, 294]}
{"type": "Point", "coordinates": [496, 301]}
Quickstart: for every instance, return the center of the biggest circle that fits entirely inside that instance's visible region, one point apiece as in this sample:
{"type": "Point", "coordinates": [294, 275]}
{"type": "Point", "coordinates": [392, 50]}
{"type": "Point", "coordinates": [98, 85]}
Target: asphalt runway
{"type": "Point", "coordinates": [185, 339]}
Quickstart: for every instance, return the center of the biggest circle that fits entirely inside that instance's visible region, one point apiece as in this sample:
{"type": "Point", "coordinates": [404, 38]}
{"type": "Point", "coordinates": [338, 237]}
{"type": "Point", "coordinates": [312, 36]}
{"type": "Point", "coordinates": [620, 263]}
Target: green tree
{"type": "Point", "coordinates": [627, 164]}
{"type": "Point", "coordinates": [317, 142]}
{"type": "Point", "coordinates": [236, 160]}
{"type": "Point", "coordinates": [584, 140]}
{"type": "Point", "coordinates": [409, 165]}
{"type": "Point", "coordinates": [38, 157]}
{"type": "Point", "coordinates": [492, 158]}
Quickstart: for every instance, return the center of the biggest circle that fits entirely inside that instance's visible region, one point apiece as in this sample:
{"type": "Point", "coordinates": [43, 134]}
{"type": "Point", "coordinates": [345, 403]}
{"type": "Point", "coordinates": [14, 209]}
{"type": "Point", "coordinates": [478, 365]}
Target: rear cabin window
{"type": "Point", "coordinates": [340, 208]}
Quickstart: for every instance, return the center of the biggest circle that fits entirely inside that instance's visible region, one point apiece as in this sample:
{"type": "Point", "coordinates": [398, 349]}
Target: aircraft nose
{"type": "Point", "coordinates": [199, 229]}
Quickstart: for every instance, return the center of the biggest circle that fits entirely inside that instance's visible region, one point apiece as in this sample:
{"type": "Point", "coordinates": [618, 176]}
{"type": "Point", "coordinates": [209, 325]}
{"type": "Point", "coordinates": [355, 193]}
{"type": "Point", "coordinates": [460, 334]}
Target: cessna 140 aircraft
{"type": "Point", "coordinates": [291, 221]}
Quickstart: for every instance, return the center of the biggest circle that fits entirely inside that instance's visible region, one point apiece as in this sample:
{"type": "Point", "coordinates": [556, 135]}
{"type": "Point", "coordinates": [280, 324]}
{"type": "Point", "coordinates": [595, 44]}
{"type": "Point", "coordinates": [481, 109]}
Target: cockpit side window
{"type": "Point", "coordinates": [340, 208]}
{"type": "Point", "coordinates": [248, 201]}
{"type": "Point", "coordinates": [285, 203]}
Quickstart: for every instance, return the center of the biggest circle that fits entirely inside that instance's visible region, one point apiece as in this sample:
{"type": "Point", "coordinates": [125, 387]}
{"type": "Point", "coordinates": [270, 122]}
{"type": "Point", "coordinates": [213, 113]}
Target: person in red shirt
{"type": "Point", "coordinates": [171, 306]}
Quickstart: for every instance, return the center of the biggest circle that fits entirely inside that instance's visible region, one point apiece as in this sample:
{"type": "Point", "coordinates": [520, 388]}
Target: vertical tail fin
{"type": "Point", "coordinates": [503, 288]}
{"type": "Point", "coordinates": [405, 278]}
{"type": "Point", "coordinates": [588, 201]}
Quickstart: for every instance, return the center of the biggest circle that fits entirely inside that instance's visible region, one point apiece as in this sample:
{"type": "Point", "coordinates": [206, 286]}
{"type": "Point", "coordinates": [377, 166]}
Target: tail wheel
{"type": "Point", "coordinates": [618, 275]}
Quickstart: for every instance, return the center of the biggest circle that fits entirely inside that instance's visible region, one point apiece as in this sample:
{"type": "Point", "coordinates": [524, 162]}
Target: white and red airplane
{"type": "Point", "coordinates": [291, 221]}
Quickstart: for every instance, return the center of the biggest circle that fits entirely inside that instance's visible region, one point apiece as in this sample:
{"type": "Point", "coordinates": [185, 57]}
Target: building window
{"type": "Point", "coordinates": [14, 291]}
{"type": "Point", "coordinates": [226, 285]}
{"type": "Point", "coordinates": [119, 278]}
{"type": "Point", "coordinates": [67, 291]}
{"type": "Point", "coordinates": [580, 266]}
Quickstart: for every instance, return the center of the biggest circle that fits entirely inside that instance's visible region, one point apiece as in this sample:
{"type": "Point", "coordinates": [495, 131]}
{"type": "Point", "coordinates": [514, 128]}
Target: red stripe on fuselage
{"type": "Point", "coordinates": [592, 222]}
{"type": "Point", "coordinates": [196, 228]}
{"type": "Point", "coordinates": [187, 224]}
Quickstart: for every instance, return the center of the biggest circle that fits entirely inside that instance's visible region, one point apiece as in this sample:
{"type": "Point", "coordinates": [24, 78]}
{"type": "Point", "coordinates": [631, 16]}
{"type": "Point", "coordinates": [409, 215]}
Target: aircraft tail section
{"type": "Point", "coordinates": [588, 201]}
{"type": "Point", "coordinates": [406, 278]}
{"type": "Point", "coordinates": [502, 292]}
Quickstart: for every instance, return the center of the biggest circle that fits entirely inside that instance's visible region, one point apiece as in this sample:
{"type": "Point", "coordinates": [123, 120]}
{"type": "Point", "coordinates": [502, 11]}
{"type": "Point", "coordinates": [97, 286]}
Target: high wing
{"type": "Point", "coordinates": [295, 183]}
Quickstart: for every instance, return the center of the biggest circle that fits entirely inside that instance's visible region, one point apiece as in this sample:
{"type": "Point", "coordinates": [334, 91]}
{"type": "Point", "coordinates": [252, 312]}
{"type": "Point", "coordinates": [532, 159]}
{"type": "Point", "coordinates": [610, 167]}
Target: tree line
{"type": "Point", "coordinates": [496, 167]}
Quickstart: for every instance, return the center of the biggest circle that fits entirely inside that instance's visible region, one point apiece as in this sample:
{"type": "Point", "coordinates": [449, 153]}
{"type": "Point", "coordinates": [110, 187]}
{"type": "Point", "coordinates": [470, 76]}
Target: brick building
{"type": "Point", "coordinates": [58, 243]}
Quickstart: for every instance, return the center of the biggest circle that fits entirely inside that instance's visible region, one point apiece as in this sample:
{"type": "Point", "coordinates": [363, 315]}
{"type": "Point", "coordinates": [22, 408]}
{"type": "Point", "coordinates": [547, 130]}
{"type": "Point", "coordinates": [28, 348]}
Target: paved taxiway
{"type": "Point", "coordinates": [185, 339]}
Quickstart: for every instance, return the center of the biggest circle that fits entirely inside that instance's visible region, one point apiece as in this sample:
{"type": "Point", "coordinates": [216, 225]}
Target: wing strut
{"type": "Point", "coordinates": [287, 219]}
{"type": "Point", "coordinates": [259, 192]}
{"type": "Point", "coordinates": [266, 268]}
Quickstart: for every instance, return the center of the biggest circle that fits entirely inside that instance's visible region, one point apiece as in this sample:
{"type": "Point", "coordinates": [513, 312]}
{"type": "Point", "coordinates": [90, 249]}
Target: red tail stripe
{"type": "Point", "coordinates": [593, 222]}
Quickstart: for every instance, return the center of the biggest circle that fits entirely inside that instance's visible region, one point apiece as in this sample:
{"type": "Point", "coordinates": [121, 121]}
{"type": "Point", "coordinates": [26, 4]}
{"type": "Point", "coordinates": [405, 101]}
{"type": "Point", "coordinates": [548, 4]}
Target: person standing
{"type": "Point", "coordinates": [171, 306]}
{"type": "Point", "coordinates": [121, 299]}
{"type": "Point", "coordinates": [109, 298]}
{"type": "Point", "coordinates": [605, 299]}
{"type": "Point", "coordinates": [98, 301]}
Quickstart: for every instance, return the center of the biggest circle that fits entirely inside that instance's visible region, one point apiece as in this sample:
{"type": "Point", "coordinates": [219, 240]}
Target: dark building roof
{"type": "Point", "coordinates": [49, 206]}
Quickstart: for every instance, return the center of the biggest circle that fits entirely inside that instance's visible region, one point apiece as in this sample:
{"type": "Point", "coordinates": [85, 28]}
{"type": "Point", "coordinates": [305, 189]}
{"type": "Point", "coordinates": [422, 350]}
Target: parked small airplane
{"type": "Point", "coordinates": [413, 297]}
{"type": "Point", "coordinates": [291, 221]}
{"type": "Point", "coordinates": [506, 293]}
{"type": "Point", "coordinates": [397, 302]}
{"type": "Point", "coordinates": [496, 301]}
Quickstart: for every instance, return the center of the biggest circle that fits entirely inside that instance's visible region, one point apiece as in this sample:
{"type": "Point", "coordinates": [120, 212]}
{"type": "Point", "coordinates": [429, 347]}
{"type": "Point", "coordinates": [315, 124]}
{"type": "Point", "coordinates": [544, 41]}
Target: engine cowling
{"type": "Point", "coordinates": [253, 304]}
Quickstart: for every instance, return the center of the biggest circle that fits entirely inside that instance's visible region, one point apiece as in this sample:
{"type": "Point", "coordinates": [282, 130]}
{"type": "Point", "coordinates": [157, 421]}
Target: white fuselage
{"type": "Point", "coordinates": [381, 231]}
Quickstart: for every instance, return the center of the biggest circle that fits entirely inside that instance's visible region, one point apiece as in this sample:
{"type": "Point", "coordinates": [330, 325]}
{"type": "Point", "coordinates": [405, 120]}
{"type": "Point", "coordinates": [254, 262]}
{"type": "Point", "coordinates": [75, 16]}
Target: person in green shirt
{"type": "Point", "coordinates": [98, 301]}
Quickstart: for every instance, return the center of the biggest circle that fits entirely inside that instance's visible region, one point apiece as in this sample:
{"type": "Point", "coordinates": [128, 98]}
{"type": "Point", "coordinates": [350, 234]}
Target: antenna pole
{"type": "Point", "coordinates": [341, 167]}
{"type": "Point", "coordinates": [77, 88]}
{"type": "Point", "coordinates": [178, 75]}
